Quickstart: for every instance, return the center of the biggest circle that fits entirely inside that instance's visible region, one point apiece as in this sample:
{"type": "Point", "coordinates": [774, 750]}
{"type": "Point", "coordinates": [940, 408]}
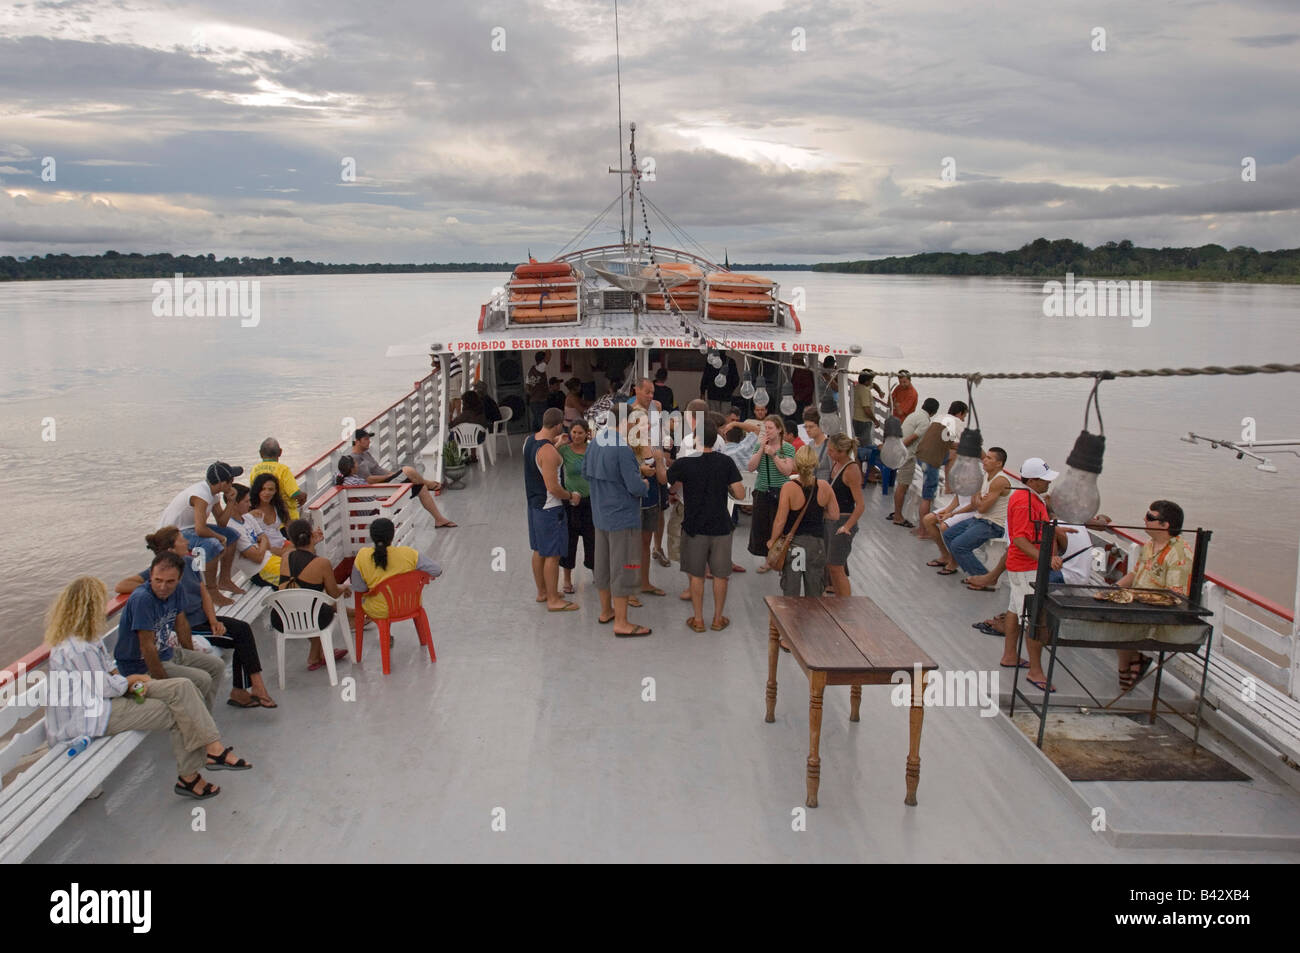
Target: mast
{"type": "Point", "coordinates": [618, 73]}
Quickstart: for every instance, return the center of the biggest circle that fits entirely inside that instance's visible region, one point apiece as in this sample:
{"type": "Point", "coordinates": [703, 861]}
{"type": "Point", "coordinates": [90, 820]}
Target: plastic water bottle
{"type": "Point", "coordinates": [78, 746]}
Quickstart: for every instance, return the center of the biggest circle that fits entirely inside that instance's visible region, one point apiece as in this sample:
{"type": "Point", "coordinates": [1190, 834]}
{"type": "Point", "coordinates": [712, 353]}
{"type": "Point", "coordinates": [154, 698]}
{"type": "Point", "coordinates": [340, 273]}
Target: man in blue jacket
{"type": "Point", "coordinates": [617, 487]}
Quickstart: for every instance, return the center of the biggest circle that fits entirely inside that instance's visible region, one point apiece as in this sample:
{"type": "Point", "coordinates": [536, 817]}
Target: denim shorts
{"type": "Point", "coordinates": [548, 531]}
{"type": "Point", "coordinates": [212, 548]}
{"type": "Point", "coordinates": [930, 483]}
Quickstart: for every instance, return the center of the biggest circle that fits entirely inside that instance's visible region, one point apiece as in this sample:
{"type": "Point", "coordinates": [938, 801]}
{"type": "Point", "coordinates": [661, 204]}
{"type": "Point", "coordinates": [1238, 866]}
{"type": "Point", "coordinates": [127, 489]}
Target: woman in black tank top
{"type": "Point", "coordinates": [811, 502]}
{"type": "Point", "coordinates": [846, 482]}
{"type": "Point", "coordinates": [302, 560]}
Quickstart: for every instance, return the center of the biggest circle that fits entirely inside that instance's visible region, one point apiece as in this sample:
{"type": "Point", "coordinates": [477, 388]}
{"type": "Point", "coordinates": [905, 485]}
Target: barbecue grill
{"type": "Point", "coordinates": [1074, 617]}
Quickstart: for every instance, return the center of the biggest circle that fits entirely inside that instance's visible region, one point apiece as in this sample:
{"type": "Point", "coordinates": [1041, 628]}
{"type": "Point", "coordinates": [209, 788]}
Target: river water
{"type": "Point", "coordinates": [138, 405]}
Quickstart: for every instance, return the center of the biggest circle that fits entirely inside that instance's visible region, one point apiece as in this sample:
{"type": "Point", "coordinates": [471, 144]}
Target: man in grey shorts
{"type": "Point", "coordinates": [706, 480]}
{"type": "Point", "coordinates": [616, 490]}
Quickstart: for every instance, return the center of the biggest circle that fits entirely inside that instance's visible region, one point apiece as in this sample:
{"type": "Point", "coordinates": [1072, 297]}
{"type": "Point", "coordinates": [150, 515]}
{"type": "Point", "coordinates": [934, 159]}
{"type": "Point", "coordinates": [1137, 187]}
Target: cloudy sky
{"type": "Point", "coordinates": [783, 131]}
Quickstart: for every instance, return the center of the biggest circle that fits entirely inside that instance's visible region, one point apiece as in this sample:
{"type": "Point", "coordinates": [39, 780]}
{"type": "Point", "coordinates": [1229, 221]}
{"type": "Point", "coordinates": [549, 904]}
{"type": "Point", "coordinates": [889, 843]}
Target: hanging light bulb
{"type": "Point", "coordinates": [1075, 496]}
{"type": "Point", "coordinates": [892, 452]}
{"type": "Point", "coordinates": [720, 380]}
{"type": "Point", "coordinates": [761, 397]}
{"type": "Point", "coordinates": [787, 400]}
{"type": "Point", "coordinates": [967, 474]}
{"type": "Point", "coordinates": [747, 388]}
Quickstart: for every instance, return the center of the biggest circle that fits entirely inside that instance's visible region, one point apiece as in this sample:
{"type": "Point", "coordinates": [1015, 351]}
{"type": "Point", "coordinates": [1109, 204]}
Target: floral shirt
{"type": "Point", "coordinates": [1170, 568]}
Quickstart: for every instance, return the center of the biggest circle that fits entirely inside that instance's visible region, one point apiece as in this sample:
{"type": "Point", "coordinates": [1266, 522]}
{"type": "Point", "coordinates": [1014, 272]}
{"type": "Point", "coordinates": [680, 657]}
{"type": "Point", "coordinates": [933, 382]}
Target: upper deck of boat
{"type": "Point", "coordinates": [542, 715]}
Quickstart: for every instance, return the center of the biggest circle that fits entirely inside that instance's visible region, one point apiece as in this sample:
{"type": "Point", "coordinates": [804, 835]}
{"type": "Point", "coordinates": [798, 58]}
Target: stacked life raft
{"type": "Point", "coordinates": [542, 292]}
{"type": "Point", "coordinates": [729, 296]}
{"type": "Point", "coordinates": [686, 295]}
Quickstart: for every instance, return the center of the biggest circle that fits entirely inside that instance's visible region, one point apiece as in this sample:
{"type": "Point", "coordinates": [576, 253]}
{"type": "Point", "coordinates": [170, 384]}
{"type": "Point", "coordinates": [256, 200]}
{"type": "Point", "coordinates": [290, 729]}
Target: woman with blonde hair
{"type": "Point", "coordinates": [92, 699]}
{"type": "Point", "coordinates": [812, 499]}
{"type": "Point", "coordinates": [846, 483]}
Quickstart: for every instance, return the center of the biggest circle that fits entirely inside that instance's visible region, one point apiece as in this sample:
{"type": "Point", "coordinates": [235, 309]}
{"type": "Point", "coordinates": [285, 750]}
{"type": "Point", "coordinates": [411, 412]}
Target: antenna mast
{"type": "Point", "coordinates": [618, 72]}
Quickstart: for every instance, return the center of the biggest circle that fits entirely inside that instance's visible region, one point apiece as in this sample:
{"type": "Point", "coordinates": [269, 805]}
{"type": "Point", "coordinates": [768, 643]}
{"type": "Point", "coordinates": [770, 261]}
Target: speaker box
{"type": "Point", "coordinates": [508, 370]}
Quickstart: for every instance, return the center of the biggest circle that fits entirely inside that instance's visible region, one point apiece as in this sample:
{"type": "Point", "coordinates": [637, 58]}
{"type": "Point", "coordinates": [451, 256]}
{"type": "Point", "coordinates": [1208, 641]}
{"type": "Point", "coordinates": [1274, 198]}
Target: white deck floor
{"type": "Point", "coordinates": [542, 715]}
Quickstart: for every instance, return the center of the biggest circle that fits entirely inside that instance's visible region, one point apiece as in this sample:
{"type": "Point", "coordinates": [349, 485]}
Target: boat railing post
{"type": "Point", "coordinates": [1293, 677]}
{"type": "Point", "coordinates": [1214, 601]}
{"type": "Point", "coordinates": [392, 445]}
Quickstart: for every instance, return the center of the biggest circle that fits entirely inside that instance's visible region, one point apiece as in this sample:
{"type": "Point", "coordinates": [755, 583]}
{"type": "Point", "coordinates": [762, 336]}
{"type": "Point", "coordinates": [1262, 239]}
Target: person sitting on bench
{"type": "Point", "coordinates": [368, 469]}
{"type": "Point", "coordinates": [98, 700]}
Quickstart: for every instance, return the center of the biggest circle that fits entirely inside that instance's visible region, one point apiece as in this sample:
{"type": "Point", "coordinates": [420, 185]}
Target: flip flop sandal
{"type": "Point", "coordinates": [694, 626]}
{"type": "Point", "coordinates": [265, 702]}
{"type": "Point", "coordinates": [946, 572]}
{"type": "Point", "coordinates": [1023, 664]}
{"type": "Point", "coordinates": [447, 525]}
{"type": "Point", "coordinates": [737, 567]}
{"type": "Point", "coordinates": [1128, 679]}
{"type": "Point", "coordinates": [568, 590]}
{"type": "Point", "coordinates": [653, 591]}
{"type": "Point", "coordinates": [341, 654]}
{"type": "Point", "coordinates": [1041, 686]}
{"type": "Point", "coordinates": [252, 703]}
{"type": "Point", "coordinates": [982, 588]}
{"type": "Point", "coordinates": [634, 602]}
{"type": "Point", "coordinates": [987, 629]}
{"type": "Point", "coordinates": [936, 563]}
{"type": "Point", "coordinates": [718, 628]}
{"type": "Point", "coordinates": [568, 607]}
{"type": "Point", "coordinates": [661, 558]}
{"type": "Point", "coordinates": [186, 789]}
{"type": "Point", "coordinates": [906, 524]}
{"type": "Point", "coordinates": [219, 762]}
{"type": "Point", "coordinates": [605, 621]}
{"type": "Point", "coordinates": [638, 631]}
{"type": "Point", "coordinates": [315, 666]}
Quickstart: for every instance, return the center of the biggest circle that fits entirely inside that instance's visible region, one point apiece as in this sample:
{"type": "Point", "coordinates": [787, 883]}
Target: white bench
{"type": "Point", "coordinates": [45, 793]}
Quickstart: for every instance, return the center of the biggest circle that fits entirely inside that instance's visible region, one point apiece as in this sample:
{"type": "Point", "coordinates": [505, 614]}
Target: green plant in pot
{"type": "Point", "coordinates": [452, 457]}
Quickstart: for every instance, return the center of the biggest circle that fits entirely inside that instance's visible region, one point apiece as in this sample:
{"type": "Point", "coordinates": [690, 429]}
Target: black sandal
{"type": "Point", "coordinates": [219, 762]}
{"type": "Point", "coordinates": [1128, 678]}
{"type": "Point", "coordinates": [186, 789]}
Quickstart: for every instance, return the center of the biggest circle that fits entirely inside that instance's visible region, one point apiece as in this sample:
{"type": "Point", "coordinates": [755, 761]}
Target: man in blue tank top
{"type": "Point", "coordinates": [548, 531]}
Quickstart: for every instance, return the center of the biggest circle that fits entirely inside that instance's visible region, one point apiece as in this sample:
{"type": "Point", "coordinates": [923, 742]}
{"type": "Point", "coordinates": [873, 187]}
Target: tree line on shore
{"type": "Point", "coordinates": [1048, 259]}
{"type": "Point", "coordinates": [113, 264]}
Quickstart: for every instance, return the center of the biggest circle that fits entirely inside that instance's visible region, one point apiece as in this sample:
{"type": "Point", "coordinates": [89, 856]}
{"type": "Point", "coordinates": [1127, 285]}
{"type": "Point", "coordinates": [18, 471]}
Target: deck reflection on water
{"type": "Point", "coordinates": [537, 722]}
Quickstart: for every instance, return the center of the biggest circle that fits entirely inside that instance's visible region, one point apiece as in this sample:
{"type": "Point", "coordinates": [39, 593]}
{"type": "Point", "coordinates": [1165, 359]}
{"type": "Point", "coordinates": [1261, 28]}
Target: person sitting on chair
{"type": "Point", "coordinates": [383, 560]}
{"type": "Point", "coordinates": [368, 469]}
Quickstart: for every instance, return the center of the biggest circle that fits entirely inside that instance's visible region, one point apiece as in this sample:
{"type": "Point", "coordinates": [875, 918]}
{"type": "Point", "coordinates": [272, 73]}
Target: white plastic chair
{"type": "Point", "coordinates": [298, 610]}
{"type": "Point", "coordinates": [499, 430]}
{"type": "Point", "coordinates": [467, 436]}
{"type": "Point", "coordinates": [750, 479]}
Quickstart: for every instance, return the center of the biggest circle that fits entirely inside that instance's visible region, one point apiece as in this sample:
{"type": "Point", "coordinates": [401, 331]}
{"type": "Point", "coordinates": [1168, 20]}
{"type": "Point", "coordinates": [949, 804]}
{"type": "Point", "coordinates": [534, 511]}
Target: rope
{"type": "Point", "coordinates": [1235, 370]}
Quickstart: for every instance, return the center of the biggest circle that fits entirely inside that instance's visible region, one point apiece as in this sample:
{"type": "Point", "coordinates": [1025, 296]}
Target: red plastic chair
{"type": "Point", "coordinates": [402, 594]}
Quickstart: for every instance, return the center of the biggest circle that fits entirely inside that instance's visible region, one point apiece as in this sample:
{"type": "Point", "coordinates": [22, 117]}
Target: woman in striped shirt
{"type": "Point", "coordinates": [88, 697]}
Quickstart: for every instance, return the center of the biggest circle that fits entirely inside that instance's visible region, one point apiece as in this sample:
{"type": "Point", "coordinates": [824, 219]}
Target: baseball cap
{"type": "Point", "coordinates": [1035, 469]}
{"type": "Point", "coordinates": [905, 373]}
{"type": "Point", "coordinates": [220, 472]}
{"type": "Point", "coordinates": [361, 433]}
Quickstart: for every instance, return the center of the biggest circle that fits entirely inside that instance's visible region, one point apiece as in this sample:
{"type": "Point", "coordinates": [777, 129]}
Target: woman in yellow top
{"type": "Point", "coordinates": [1164, 563]}
{"type": "Point", "coordinates": [383, 560]}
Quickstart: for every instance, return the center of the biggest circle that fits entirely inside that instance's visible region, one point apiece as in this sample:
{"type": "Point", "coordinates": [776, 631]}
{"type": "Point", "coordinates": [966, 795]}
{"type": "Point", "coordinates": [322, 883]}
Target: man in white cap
{"type": "Point", "coordinates": [1024, 506]}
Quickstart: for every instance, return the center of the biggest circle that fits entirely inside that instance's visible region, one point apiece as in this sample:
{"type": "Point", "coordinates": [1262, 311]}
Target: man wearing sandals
{"type": "Point", "coordinates": [914, 428]}
{"type": "Point", "coordinates": [1163, 563]}
{"type": "Point", "coordinates": [706, 479]}
{"type": "Point", "coordinates": [1024, 506]}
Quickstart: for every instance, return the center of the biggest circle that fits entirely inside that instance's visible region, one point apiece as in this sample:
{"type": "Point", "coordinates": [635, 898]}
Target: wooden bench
{"type": "Point", "coordinates": [46, 792]}
{"type": "Point", "coordinates": [1233, 689]}
{"type": "Point", "coordinates": [845, 641]}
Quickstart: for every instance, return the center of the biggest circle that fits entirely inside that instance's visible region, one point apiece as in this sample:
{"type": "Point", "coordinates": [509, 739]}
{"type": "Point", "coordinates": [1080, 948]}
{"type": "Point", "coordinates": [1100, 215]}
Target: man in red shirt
{"type": "Point", "coordinates": [904, 396]}
{"type": "Point", "coordinates": [1024, 506]}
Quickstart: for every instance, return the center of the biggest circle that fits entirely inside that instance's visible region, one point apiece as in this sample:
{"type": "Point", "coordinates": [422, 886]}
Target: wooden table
{"type": "Point", "coordinates": [845, 641]}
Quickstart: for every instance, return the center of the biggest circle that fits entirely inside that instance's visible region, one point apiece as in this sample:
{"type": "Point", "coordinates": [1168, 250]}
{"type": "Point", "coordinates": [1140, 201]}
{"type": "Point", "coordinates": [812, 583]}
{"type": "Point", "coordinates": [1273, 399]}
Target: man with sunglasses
{"type": "Point", "coordinates": [1163, 563]}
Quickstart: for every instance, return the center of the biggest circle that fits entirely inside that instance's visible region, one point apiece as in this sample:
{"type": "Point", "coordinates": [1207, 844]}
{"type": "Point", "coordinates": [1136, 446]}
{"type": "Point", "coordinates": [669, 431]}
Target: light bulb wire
{"type": "Point", "coordinates": [1094, 402]}
{"type": "Point", "coordinates": [970, 401]}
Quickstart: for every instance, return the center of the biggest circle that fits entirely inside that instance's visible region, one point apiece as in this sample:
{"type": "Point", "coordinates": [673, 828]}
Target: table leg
{"type": "Point", "coordinates": [816, 687]}
{"type": "Point", "coordinates": [855, 702]}
{"type": "Point", "coordinates": [916, 715]}
{"type": "Point", "coordinates": [773, 653]}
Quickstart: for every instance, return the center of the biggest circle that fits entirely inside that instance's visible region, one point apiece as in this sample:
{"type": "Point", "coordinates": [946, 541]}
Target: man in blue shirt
{"type": "Point", "coordinates": [153, 634]}
{"type": "Point", "coordinates": [617, 488]}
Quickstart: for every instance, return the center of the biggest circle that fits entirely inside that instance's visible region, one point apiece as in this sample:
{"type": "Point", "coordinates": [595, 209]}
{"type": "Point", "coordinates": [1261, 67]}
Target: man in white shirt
{"type": "Point", "coordinates": [914, 426]}
{"type": "Point", "coordinates": [188, 511]}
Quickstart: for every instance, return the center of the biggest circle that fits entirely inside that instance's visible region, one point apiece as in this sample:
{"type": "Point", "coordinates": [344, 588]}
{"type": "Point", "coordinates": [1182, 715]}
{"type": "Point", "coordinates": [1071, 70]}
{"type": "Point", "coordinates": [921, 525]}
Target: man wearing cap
{"type": "Point", "coordinates": [188, 511]}
{"type": "Point", "coordinates": [368, 468]}
{"type": "Point", "coordinates": [904, 396]}
{"type": "Point", "coordinates": [270, 463]}
{"type": "Point", "coordinates": [1024, 507]}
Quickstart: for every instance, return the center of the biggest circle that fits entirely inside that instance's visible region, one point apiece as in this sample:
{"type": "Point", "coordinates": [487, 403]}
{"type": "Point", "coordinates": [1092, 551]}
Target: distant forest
{"type": "Point", "coordinates": [1044, 259]}
{"type": "Point", "coordinates": [113, 264]}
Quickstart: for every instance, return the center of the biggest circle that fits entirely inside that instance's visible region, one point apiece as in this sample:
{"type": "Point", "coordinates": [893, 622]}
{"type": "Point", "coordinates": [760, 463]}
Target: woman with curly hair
{"type": "Point", "coordinates": [96, 700]}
